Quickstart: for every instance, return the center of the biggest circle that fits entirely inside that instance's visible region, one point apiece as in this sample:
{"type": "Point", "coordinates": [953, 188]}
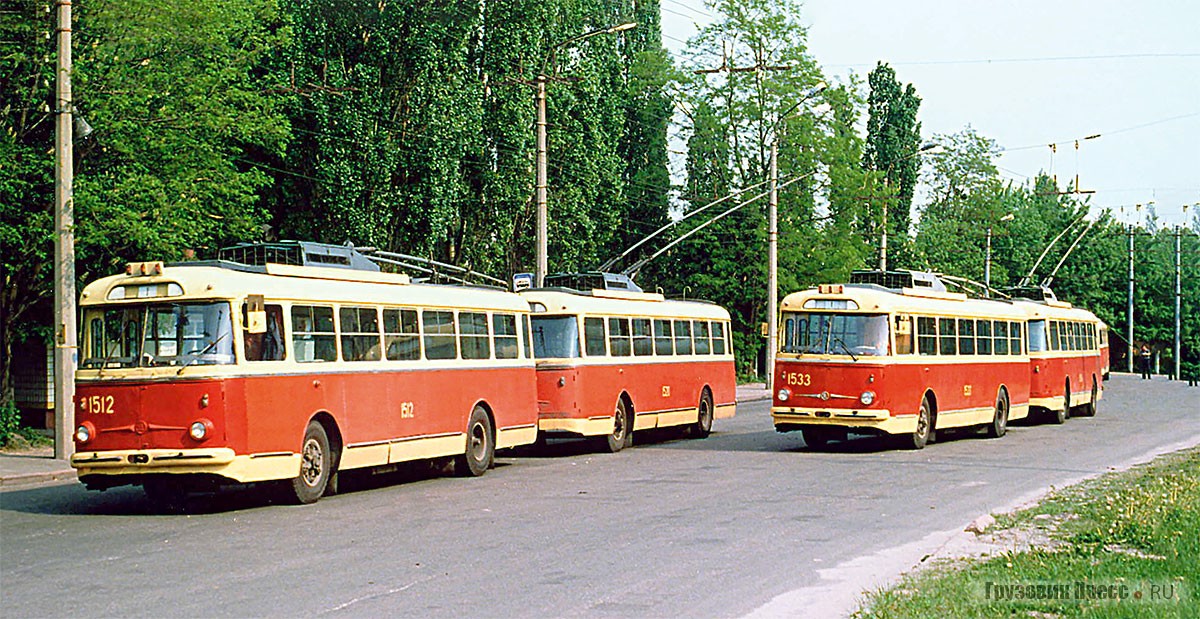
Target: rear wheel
{"type": "Point", "coordinates": [316, 465]}
{"type": "Point", "coordinates": [622, 432]}
{"type": "Point", "coordinates": [704, 419]}
{"type": "Point", "coordinates": [1060, 416]}
{"type": "Point", "coordinates": [481, 446]}
{"type": "Point", "coordinates": [920, 437]}
{"type": "Point", "coordinates": [999, 425]}
{"type": "Point", "coordinates": [1089, 409]}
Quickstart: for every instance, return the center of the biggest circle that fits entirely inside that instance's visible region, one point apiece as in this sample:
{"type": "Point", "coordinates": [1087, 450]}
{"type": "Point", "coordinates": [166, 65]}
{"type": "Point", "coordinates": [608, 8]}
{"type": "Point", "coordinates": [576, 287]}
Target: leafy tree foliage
{"type": "Point", "coordinates": [893, 141]}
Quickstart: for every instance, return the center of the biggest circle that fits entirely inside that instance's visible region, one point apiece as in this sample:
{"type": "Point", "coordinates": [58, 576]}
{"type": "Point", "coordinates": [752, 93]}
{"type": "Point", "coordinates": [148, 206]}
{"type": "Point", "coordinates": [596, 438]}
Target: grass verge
{"type": "Point", "coordinates": [1123, 545]}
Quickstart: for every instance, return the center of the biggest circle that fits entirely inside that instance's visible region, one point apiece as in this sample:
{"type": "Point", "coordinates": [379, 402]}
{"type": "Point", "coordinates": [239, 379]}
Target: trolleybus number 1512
{"type": "Point", "coordinates": [97, 405]}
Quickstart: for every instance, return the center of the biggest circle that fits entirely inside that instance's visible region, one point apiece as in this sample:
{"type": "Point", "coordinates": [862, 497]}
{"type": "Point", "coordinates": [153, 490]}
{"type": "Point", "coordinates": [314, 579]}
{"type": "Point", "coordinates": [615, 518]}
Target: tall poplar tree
{"type": "Point", "coordinates": [893, 142]}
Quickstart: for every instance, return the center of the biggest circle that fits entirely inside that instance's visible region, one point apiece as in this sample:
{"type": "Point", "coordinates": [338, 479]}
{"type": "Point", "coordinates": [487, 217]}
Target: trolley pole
{"type": "Point", "coordinates": [1129, 309]}
{"type": "Point", "coordinates": [65, 338]}
{"type": "Point", "coordinates": [773, 265]}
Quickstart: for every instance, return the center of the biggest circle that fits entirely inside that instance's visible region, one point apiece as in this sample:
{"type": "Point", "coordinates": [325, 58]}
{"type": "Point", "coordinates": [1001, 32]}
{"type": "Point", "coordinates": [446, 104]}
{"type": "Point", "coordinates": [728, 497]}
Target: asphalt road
{"type": "Point", "coordinates": [746, 521]}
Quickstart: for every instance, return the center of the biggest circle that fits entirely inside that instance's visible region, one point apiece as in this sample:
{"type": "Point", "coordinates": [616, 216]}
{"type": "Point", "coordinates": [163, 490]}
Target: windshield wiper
{"type": "Point", "coordinates": [839, 342]}
{"type": "Point", "coordinates": [202, 352]}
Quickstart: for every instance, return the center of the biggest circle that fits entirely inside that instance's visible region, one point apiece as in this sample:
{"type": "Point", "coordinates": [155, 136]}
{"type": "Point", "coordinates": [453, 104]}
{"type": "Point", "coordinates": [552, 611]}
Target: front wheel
{"type": "Point", "coordinates": [920, 437]}
{"type": "Point", "coordinates": [999, 425]}
{"type": "Point", "coordinates": [316, 465]}
{"type": "Point", "coordinates": [622, 432]}
{"type": "Point", "coordinates": [481, 446]}
{"type": "Point", "coordinates": [704, 419]}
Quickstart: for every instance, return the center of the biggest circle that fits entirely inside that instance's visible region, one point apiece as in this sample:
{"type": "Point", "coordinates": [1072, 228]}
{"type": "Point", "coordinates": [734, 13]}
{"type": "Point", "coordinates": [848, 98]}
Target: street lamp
{"type": "Point", "coordinates": [987, 257]}
{"type": "Point", "coordinates": [540, 190]}
{"type": "Point", "coordinates": [931, 147]}
{"type": "Point", "coordinates": [773, 235]}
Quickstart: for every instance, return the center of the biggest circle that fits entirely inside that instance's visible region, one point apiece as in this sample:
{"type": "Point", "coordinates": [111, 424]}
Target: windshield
{"type": "Point", "coordinates": [555, 337]}
{"type": "Point", "coordinates": [834, 334]}
{"type": "Point", "coordinates": [151, 335]}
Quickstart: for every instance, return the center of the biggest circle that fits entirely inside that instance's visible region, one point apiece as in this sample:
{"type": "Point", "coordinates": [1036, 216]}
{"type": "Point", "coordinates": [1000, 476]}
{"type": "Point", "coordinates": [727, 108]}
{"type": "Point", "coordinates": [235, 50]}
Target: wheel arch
{"type": "Point", "coordinates": [332, 432]}
{"type": "Point", "coordinates": [487, 408]}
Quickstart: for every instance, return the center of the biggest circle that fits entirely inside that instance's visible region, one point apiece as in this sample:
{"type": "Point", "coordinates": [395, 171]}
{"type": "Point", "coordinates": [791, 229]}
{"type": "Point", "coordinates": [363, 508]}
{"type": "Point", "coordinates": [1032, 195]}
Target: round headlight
{"type": "Point", "coordinates": [867, 397]}
{"type": "Point", "coordinates": [199, 430]}
{"type": "Point", "coordinates": [783, 395]}
{"type": "Point", "coordinates": [83, 433]}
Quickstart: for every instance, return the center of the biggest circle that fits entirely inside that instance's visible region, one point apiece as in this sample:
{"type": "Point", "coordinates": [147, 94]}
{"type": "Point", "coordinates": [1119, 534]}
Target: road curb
{"type": "Point", "coordinates": [32, 479]}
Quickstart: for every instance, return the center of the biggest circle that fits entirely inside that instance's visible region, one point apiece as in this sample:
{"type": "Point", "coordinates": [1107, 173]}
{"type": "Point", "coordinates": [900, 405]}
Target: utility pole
{"type": "Point", "coordinates": [1129, 309]}
{"type": "Point", "coordinates": [1178, 297]}
{"type": "Point", "coordinates": [773, 265]}
{"type": "Point", "coordinates": [65, 338]}
{"type": "Point", "coordinates": [543, 215]}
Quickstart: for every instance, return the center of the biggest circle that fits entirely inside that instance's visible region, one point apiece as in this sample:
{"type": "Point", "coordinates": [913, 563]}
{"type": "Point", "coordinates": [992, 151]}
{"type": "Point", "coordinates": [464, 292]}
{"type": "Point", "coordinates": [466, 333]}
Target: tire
{"type": "Point", "coordinates": [481, 446]}
{"type": "Point", "coordinates": [999, 425]}
{"type": "Point", "coordinates": [622, 434]}
{"type": "Point", "coordinates": [704, 420]}
{"type": "Point", "coordinates": [167, 492]}
{"type": "Point", "coordinates": [1089, 409]}
{"type": "Point", "coordinates": [1059, 417]}
{"type": "Point", "coordinates": [924, 432]}
{"type": "Point", "coordinates": [817, 439]}
{"type": "Point", "coordinates": [316, 465]}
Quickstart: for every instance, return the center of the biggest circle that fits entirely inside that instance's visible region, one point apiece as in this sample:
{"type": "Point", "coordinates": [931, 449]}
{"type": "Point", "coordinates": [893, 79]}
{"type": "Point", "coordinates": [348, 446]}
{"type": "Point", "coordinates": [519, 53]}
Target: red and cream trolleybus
{"type": "Point", "coordinates": [294, 362]}
{"type": "Point", "coordinates": [612, 360]}
{"type": "Point", "coordinates": [896, 354]}
{"type": "Point", "coordinates": [1068, 356]}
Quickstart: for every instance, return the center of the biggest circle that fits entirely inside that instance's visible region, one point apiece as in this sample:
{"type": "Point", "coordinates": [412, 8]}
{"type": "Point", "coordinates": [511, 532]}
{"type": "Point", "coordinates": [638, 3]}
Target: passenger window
{"type": "Point", "coordinates": [618, 337]}
{"type": "Point", "coordinates": [401, 335]}
{"type": "Point", "coordinates": [1014, 338]}
{"type": "Point", "coordinates": [966, 336]}
{"type": "Point", "coordinates": [643, 344]}
{"type": "Point", "coordinates": [313, 338]}
{"type": "Point", "coordinates": [473, 334]}
{"type": "Point", "coordinates": [504, 326]}
{"type": "Point", "coordinates": [360, 333]}
{"type": "Point", "coordinates": [718, 340]}
{"type": "Point", "coordinates": [1000, 337]}
{"type": "Point", "coordinates": [528, 340]}
{"type": "Point", "coordinates": [440, 342]}
{"type": "Point", "coordinates": [946, 341]}
{"type": "Point", "coordinates": [927, 335]}
{"type": "Point", "coordinates": [593, 337]}
{"type": "Point", "coordinates": [663, 344]}
{"type": "Point", "coordinates": [683, 337]}
{"type": "Point", "coordinates": [700, 329]}
{"type": "Point", "coordinates": [983, 334]}
{"type": "Point", "coordinates": [266, 346]}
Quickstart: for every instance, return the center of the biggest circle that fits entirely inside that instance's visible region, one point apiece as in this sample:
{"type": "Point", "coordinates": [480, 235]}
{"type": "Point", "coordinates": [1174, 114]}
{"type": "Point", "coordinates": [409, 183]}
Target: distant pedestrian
{"type": "Point", "coordinates": [1145, 357]}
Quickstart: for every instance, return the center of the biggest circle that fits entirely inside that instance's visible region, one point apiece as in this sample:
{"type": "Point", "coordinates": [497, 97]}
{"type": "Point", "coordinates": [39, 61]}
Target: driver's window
{"type": "Point", "coordinates": [266, 346]}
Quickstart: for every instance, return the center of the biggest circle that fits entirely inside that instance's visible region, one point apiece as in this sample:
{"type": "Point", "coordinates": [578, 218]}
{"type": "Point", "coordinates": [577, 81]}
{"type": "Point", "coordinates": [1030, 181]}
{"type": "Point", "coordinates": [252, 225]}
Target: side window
{"type": "Point", "coordinates": [927, 335]}
{"type": "Point", "coordinates": [663, 344]}
{"type": "Point", "coordinates": [618, 337]}
{"type": "Point", "coordinates": [1054, 335]}
{"type": "Point", "coordinates": [904, 335]}
{"type": "Point", "coordinates": [360, 333]}
{"type": "Point", "coordinates": [718, 341]}
{"type": "Point", "coordinates": [643, 344]}
{"type": "Point", "coordinates": [966, 336]}
{"type": "Point", "coordinates": [1014, 338]}
{"type": "Point", "coordinates": [525, 330]}
{"type": "Point", "coordinates": [313, 338]}
{"type": "Point", "coordinates": [401, 335]}
{"type": "Point", "coordinates": [983, 333]}
{"type": "Point", "coordinates": [504, 326]}
{"type": "Point", "coordinates": [700, 329]}
{"type": "Point", "coordinates": [593, 337]}
{"type": "Point", "coordinates": [265, 346]}
{"type": "Point", "coordinates": [473, 335]}
{"type": "Point", "coordinates": [683, 337]}
{"type": "Point", "coordinates": [438, 327]}
{"type": "Point", "coordinates": [946, 341]}
{"type": "Point", "coordinates": [1000, 337]}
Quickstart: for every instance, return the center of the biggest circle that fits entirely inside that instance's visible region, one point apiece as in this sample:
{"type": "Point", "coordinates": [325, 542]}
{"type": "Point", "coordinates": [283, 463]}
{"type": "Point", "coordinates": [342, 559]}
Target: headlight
{"type": "Point", "coordinates": [867, 397]}
{"type": "Point", "coordinates": [84, 432]}
{"type": "Point", "coordinates": [783, 395]}
{"type": "Point", "coordinates": [200, 429]}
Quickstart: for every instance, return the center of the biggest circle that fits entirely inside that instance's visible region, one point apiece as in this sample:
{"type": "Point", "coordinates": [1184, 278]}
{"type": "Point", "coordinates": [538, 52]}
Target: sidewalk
{"type": "Point", "coordinates": [37, 466]}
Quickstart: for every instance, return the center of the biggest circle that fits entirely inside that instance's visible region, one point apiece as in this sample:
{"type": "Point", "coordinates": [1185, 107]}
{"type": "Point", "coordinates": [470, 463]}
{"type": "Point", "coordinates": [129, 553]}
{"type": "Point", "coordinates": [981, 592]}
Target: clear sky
{"type": "Point", "coordinates": [1028, 73]}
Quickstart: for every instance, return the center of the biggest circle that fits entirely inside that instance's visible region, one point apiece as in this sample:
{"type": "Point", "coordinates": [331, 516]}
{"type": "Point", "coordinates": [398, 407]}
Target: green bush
{"type": "Point", "coordinates": [10, 420]}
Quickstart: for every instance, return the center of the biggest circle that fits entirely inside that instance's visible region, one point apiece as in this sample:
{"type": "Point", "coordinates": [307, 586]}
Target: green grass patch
{"type": "Point", "coordinates": [1123, 545]}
